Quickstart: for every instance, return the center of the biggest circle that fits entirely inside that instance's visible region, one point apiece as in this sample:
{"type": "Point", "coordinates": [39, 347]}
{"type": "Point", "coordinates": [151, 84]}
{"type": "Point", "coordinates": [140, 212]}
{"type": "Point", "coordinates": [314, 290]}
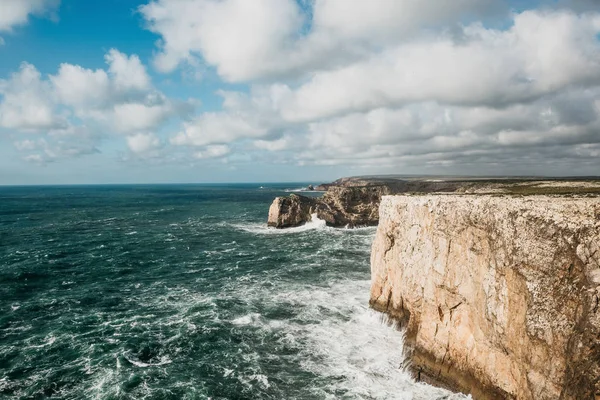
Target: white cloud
{"type": "Point", "coordinates": [214, 151]}
{"type": "Point", "coordinates": [388, 20]}
{"type": "Point", "coordinates": [128, 72]}
{"type": "Point", "coordinates": [17, 12]}
{"type": "Point", "coordinates": [468, 96]}
{"type": "Point", "coordinates": [75, 109]}
{"type": "Point", "coordinates": [80, 87]}
{"type": "Point", "coordinates": [382, 84]}
{"type": "Point", "coordinates": [541, 54]}
{"type": "Point", "coordinates": [392, 82]}
{"type": "Point", "coordinates": [429, 133]}
{"type": "Point", "coordinates": [143, 143]}
{"type": "Point", "coordinates": [217, 128]}
{"type": "Point", "coordinates": [243, 116]}
{"type": "Point", "coordinates": [27, 145]}
{"type": "Point", "coordinates": [280, 144]}
{"type": "Point", "coordinates": [231, 34]}
{"type": "Point", "coordinates": [125, 79]}
{"type": "Point", "coordinates": [121, 97]}
{"type": "Point", "coordinates": [263, 38]}
{"type": "Point", "coordinates": [130, 117]}
{"type": "Point", "coordinates": [27, 102]}
{"type": "Point", "coordinates": [58, 145]}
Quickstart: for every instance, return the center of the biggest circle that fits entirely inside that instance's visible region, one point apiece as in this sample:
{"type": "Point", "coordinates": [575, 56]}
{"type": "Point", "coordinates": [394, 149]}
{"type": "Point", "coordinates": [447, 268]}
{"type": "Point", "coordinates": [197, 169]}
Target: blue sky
{"type": "Point", "coordinates": [123, 91]}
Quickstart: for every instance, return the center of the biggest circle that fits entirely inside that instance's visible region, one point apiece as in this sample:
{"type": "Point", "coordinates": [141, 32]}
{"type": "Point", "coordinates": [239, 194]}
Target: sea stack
{"type": "Point", "coordinates": [286, 212]}
{"type": "Point", "coordinates": [499, 294]}
{"type": "Point", "coordinates": [338, 207]}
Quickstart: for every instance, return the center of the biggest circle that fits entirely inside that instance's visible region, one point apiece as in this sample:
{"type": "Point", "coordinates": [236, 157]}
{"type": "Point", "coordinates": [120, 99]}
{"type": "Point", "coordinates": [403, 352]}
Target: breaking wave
{"type": "Point", "coordinates": [203, 301]}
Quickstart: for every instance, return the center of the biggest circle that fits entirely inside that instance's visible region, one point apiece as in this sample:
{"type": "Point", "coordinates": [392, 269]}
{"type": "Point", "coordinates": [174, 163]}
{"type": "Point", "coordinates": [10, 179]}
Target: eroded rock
{"type": "Point", "coordinates": [290, 211]}
{"type": "Point", "coordinates": [499, 294]}
{"type": "Point", "coordinates": [338, 207]}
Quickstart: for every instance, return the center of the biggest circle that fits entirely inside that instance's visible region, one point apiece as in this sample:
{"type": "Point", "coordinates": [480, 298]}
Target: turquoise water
{"type": "Point", "coordinates": [181, 292]}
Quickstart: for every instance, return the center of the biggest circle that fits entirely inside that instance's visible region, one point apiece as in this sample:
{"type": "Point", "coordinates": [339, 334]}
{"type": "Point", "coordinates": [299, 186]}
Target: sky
{"type": "Point", "coordinates": [186, 91]}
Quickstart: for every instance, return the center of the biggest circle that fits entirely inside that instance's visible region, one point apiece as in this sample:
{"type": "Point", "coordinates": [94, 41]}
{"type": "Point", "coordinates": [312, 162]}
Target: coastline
{"type": "Point", "coordinates": [403, 284]}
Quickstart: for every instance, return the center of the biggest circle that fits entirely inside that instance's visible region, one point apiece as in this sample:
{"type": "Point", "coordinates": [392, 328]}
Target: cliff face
{"type": "Point", "coordinates": [499, 294]}
{"type": "Point", "coordinates": [351, 206]}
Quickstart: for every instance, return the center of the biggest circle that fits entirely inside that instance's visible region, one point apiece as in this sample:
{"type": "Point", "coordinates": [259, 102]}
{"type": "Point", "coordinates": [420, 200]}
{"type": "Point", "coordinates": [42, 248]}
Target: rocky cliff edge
{"type": "Point", "coordinates": [499, 294]}
{"type": "Point", "coordinates": [351, 202]}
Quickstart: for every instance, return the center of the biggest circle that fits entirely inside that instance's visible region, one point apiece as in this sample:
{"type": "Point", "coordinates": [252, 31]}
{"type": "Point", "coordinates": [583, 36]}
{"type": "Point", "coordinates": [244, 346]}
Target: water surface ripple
{"type": "Point", "coordinates": [181, 292]}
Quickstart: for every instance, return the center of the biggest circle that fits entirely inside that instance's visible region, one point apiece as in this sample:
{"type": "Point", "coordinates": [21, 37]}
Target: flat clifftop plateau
{"type": "Point", "coordinates": [355, 201]}
{"type": "Point", "coordinates": [499, 294]}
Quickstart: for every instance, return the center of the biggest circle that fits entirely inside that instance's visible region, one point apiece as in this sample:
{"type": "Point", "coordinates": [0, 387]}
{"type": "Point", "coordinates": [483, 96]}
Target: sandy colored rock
{"type": "Point", "coordinates": [499, 294]}
{"type": "Point", "coordinates": [290, 211]}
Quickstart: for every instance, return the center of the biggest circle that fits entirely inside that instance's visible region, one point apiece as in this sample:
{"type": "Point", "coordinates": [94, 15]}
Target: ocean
{"type": "Point", "coordinates": [182, 292]}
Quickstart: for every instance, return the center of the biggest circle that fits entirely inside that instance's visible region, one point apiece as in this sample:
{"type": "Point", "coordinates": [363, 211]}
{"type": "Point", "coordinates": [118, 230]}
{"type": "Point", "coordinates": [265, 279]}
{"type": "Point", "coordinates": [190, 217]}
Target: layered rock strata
{"type": "Point", "coordinates": [499, 295]}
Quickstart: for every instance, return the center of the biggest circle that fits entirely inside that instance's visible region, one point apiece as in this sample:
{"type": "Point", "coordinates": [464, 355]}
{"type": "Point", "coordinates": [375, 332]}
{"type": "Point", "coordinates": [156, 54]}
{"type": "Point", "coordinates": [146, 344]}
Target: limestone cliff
{"type": "Point", "coordinates": [499, 294]}
{"type": "Point", "coordinates": [355, 201]}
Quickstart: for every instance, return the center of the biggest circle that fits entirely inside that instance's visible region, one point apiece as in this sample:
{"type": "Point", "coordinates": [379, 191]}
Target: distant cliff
{"type": "Point", "coordinates": [355, 201]}
{"type": "Point", "coordinates": [500, 294]}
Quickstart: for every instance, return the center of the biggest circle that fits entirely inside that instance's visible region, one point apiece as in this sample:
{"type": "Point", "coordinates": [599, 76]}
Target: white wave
{"type": "Point", "coordinates": [246, 319]}
{"type": "Point", "coordinates": [137, 363]}
{"type": "Point", "coordinates": [342, 339]}
{"type": "Point", "coordinates": [48, 341]}
{"type": "Point", "coordinates": [261, 229]}
{"type": "Point", "coordinates": [261, 379]}
{"type": "Point", "coordinates": [301, 189]}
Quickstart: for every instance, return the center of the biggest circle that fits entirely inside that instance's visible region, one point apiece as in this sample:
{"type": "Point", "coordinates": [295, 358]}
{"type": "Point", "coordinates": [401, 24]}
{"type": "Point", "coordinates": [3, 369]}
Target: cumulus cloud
{"type": "Point", "coordinates": [263, 38]}
{"type": "Point", "coordinates": [75, 101]}
{"type": "Point", "coordinates": [78, 86]}
{"type": "Point", "coordinates": [58, 145]}
{"type": "Point", "coordinates": [542, 53]}
{"type": "Point", "coordinates": [384, 85]}
{"type": "Point", "coordinates": [243, 116]}
{"type": "Point", "coordinates": [423, 92]}
{"type": "Point", "coordinates": [143, 143]}
{"type": "Point", "coordinates": [17, 12]}
{"type": "Point", "coordinates": [213, 151]}
{"type": "Point", "coordinates": [27, 102]}
{"type": "Point", "coordinates": [128, 72]}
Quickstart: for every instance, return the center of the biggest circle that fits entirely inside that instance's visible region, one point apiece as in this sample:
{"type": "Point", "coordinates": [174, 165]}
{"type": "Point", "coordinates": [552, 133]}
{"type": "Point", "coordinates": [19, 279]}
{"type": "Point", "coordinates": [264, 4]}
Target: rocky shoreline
{"type": "Point", "coordinates": [354, 202]}
{"type": "Point", "coordinates": [338, 207]}
{"type": "Point", "coordinates": [497, 281]}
